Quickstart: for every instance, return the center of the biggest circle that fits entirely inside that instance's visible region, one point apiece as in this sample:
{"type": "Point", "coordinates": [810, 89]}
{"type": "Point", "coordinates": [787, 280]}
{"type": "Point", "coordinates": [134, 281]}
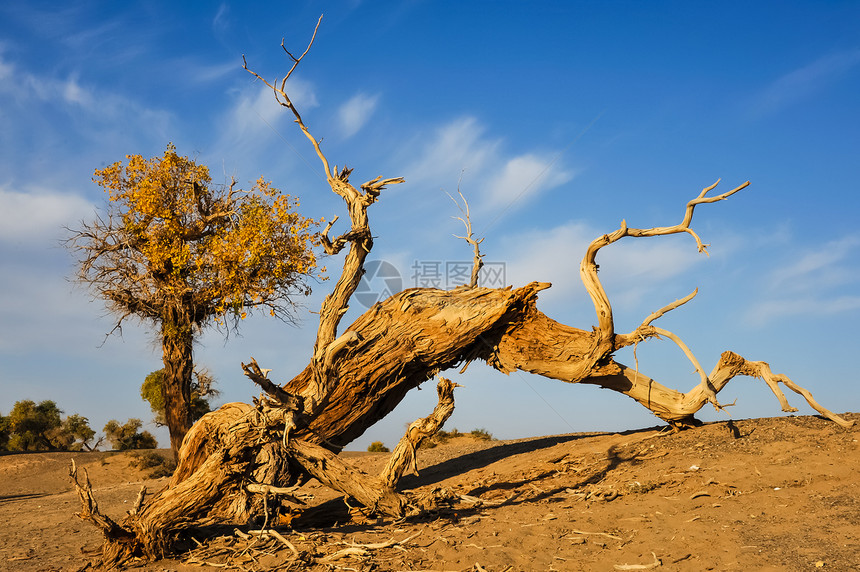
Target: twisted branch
{"type": "Point", "coordinates": [588, 267]}
{"type": "Point", "coordinates": [403, 456]}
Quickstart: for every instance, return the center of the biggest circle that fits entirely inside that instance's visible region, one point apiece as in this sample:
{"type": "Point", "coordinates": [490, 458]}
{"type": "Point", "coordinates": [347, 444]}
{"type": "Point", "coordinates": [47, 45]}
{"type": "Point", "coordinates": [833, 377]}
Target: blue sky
{"type": "Point", "coordinates": [558, 120]}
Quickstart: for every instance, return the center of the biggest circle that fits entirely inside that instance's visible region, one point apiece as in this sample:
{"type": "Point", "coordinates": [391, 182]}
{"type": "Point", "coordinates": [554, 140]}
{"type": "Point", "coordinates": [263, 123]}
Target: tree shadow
{"type": "Point", "coordinates": [480, 459]}
{"type": "Point", "coordinates": [613, 460]}
{"type": "Point", "coordinates": [22, 496]}
{"type": "Point", "coordinates": [336, 514]}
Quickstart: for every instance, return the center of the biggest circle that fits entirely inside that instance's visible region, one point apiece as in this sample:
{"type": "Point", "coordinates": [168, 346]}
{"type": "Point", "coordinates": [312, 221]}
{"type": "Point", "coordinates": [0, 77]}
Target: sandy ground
{"type": "Point", "coordinates": [760, 494]}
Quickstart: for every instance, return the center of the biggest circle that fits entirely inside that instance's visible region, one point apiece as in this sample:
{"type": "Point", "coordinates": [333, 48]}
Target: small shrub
{"type": "Point", "coordinates": [441, 437]}
{"type": "Point", "coordinates": [481, 434]}
{"type": "Point", "coordinates": [161, 466]}
{"type": "Point", "coordinates": [378, 447]}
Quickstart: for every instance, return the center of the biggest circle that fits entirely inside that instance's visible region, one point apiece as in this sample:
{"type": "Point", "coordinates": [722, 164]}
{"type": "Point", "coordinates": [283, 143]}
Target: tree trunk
{"type": "Point", "coordinates": [402, 342]}
{"type": "Point", "coordinates": [177, 344]}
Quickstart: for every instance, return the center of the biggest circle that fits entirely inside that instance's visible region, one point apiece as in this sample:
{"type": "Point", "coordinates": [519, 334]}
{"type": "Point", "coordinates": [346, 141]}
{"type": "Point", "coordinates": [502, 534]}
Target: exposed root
{"type": "Point", "coordinates": [120, 544]}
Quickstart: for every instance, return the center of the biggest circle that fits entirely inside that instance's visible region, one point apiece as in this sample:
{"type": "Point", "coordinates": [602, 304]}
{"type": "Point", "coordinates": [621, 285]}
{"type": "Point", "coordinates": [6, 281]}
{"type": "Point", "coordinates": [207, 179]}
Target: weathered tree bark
{"type": "Point", "coordinates": [356, 378]}
{"type": "Point", "coordinates": [177, 340]}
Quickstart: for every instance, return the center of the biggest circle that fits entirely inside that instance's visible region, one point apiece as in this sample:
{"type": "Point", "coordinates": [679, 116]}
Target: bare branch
{"type": "Point", "coordinates": [295, 59]}
{"type": "Point", "coordinates": [466, 219]}
{"type": "Point", "coordinates": [588, 267]}
{"type": "Point", "coordinates": [762, 370]}
{"type": "Point", "coordinates": [284, 100]}
{"type": "Point", "coordinates": [359, 238]}
{"type": "Point", "coordinates": [90, 508]}
{"type": "Point", "coordinates": [668, 308]}
{"type": "Point", "coordinates": [705, 383]}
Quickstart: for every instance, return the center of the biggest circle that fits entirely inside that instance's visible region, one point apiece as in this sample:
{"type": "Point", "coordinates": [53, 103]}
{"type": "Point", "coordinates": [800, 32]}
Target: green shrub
{"type": "Point", "coordinates": [378, 447]}
{"type": "Point", "coordinates": [441, 437]}
{"type": "Point", "coordinates": [127, 436]}
{"type": "Point", "coordinates": [481, 434]}
{"type": "Point", "coordinates": [40, 427]}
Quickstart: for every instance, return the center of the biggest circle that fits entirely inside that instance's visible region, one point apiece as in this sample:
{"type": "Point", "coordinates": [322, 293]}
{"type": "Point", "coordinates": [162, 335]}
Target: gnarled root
{"type": "Point", "coordinates": [120, 543]}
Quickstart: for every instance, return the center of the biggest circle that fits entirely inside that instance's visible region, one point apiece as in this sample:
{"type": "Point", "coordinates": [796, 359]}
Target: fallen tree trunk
{"type": "Point", "coordinates": [234, 458]}
{"type": "Point", "coordinates": [401, 343]}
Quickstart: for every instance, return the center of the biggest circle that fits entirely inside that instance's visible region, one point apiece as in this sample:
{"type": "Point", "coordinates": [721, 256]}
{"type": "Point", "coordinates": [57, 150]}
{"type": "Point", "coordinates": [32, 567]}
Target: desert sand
{"type": "Point", "coordinates": [758, 494]}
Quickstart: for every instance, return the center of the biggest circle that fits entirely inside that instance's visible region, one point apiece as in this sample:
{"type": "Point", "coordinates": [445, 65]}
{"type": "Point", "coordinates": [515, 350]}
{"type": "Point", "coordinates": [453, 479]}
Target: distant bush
{"type": "Point", "coordinates": [481, 434]}
{"type": "Point", "coordinates": [128, 436]}
{"type": "Point", "coordinates": [202, 392]}
{"type": "Point", "coordinates": [4, 432]}
{"type": "Point", "coordinates": [40, 427]}
{"type": "Point", "coordinates": [443, 436]}
{"type": "Point", "coordinates": [161, 466]}
{"type": "Point", "coordinates": [76, 433]}
{"type": "Point", "coordinates": [378, 447]}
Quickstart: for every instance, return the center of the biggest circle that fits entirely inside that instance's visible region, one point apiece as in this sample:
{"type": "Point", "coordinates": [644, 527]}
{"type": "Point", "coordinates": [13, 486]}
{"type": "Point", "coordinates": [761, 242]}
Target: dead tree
{"type": "Point", "coordinates": [233, 458]}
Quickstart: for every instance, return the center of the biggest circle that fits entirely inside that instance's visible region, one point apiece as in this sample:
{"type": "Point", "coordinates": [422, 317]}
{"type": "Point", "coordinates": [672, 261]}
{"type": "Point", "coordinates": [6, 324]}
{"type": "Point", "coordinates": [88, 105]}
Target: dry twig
{"type": "Point", "coordinates": [657, 563]}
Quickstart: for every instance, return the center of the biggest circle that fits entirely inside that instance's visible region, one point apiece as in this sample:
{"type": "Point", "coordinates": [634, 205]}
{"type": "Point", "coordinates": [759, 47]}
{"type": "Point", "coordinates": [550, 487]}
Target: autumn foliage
{"type": "Point", "coordinates": [179, 252]}
{"type": "Point", "coordinates": [171, 233]}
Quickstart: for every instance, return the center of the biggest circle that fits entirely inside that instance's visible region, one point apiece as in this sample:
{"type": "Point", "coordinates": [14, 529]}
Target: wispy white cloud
{"type": "Point", "coordinates": [39, 214]}
{"type": "Point", "coordinates": [255, 112]}
{"type": "Point", "coordinates": [5, 68]}
{"type": "Point", "coordinates": [26, 90]}
{"type": "Point", "coordinates": [826, 266]}
{"type": "Point", "coordinates": [524, 176]}
{"type": "Point", "coordinates": [805, 81]}
{"type": "Point", "coordinates": [220, 22]}
{"type": "Point", "coordinates": [356, 112]}
{"type": "Point", "coordinates": [822, 281]}
{"type": "Point", "coordinates": [196, 71]}
{"type": "Point", "coordinates": [212, 72]}
{"type": "Point", "coordinates": [548, 255]}
{"type": "Point", "coordinates": [456, 146]}
{"type": "Point", "coordinates": [248, 129]}
{"type": "Point", "coordinates": [461, 148]}
{"type": "Point", "coordinates": [74, 93]}
{"type": "Point", "coordinates": [770, 310]}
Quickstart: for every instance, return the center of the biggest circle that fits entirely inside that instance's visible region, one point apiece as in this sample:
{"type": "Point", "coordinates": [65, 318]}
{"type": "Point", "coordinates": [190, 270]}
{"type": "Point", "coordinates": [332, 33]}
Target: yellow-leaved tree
{"type": "Point", "coordinates": [179, 252]}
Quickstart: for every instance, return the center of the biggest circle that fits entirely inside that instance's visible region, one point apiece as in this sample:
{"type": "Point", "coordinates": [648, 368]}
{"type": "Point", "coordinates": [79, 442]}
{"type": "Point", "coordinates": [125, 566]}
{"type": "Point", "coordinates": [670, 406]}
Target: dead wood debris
{"type": "Point", "coordinates": [243, 550]}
